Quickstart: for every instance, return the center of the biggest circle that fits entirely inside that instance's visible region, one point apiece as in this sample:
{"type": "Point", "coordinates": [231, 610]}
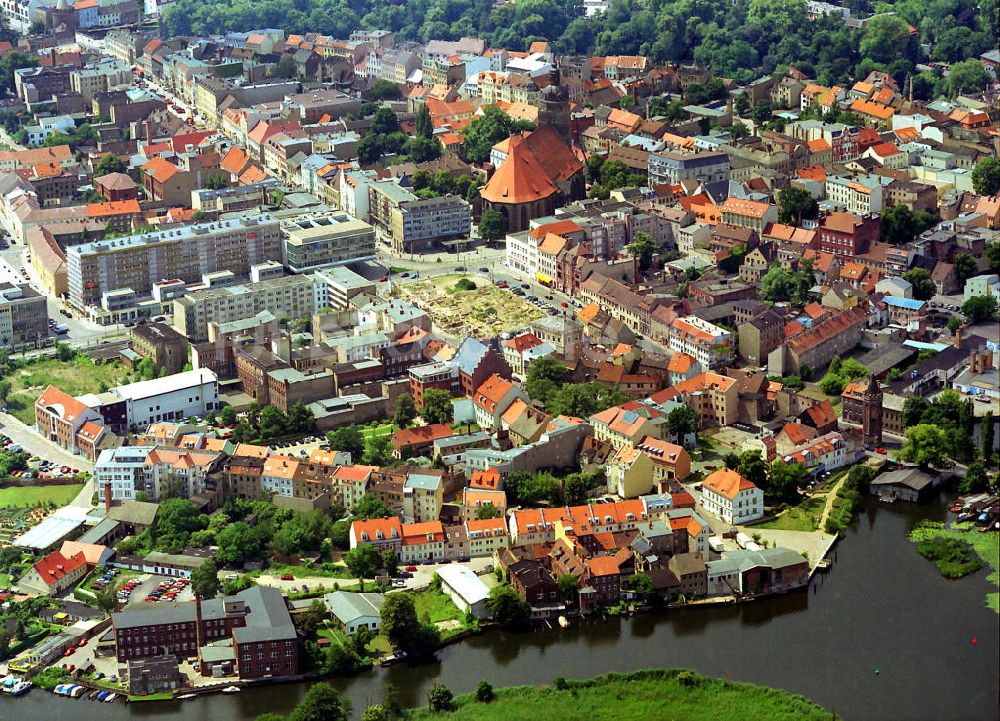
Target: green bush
{"type": "Point", "coordinates": [954, 558]}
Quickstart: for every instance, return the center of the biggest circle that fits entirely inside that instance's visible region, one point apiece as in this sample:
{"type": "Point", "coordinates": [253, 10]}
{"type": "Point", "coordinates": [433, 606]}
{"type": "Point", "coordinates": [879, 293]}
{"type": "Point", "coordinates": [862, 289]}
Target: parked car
{"type": "Point", "coordinates": [287, 577]}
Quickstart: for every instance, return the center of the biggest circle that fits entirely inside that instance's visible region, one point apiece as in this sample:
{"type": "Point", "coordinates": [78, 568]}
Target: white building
{"type": "Point", "coordinates": [122, 469]}
{"type": "Point", "coordinates": [706, 342]}
{"type": "Point", "coordinates": [983, 285]}
{"type": "Point", "coordinates": [354, 611]}
{"type": "Point", "coordinates": [465, 589]}
{"type": "Point", "coordinates": [731, 497]}
{"type": "Point", "coordinates": [171, 398]}
{"type": "Point", "coordinates": [522, 253]}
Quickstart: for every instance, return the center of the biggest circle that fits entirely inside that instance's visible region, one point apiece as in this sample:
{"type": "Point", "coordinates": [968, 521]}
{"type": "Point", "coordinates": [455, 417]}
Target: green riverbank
{"type": "Point", "coordinates": [649, 695]}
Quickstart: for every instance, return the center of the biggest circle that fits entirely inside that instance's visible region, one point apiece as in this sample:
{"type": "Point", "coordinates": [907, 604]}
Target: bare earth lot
{"type": "Point", "coordinates": [483, 312]}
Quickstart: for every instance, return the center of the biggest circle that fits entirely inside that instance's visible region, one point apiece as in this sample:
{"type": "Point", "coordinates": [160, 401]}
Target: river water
{"type": "Point", "coordinates": [881, 607]}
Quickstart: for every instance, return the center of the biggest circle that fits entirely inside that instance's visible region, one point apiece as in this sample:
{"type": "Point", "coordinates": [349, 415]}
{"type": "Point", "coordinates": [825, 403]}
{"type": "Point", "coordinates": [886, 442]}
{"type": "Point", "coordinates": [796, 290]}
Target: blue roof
{"type": "Point", "coordinates": [910, 303]}
{"type": "Point", "coordinates": [469, 355]}
{"type": "Point", "coordinates": [924, 346]}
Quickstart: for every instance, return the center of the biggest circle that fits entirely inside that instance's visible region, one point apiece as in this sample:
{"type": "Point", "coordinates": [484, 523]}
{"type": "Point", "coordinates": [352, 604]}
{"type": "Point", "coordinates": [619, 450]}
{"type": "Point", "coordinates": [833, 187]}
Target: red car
{"type": "Point", "coordinates": [564, 304]}
{"type": "Point", "coordinates": [411, 569]}
{"type": "Point", "coordinates": [880, 451]}
{"type": "Point", "coordinates": [383, 279]}
{"type": "Point", "coordinates": [287, 577]}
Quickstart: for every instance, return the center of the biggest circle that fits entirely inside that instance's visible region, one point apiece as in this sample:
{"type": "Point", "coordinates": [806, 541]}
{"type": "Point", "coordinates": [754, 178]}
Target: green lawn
{"type": "Point", "coordinates": [436, 606]}
{"type": "Point", "coordinates": [324, 570]}
{"type": "Point", "coordinates": [386, 429]}
{"type": "Point", "coordinates": [803, 517]}
{"type": "Point", "coordinates": [5, 580]}
{"type": "Point", "coordinates": [986, 545]}
{"type": "Point", "coordinates": [27, 496]}
{"type": "Point", "coordinates": [80, 375]}
{"type": "Point", "coordinates": [639, 696]}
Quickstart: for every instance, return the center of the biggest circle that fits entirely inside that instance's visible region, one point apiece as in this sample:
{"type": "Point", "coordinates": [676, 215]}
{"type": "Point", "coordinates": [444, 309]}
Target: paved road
{"type": "Point", "coordinates": [36, 445]}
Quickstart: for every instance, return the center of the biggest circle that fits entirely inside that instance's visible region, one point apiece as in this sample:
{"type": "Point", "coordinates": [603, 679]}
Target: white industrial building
{"type": "Point", "coordinates": [465, 589]}
{"type": "Point", "coordinates": [171, 398]}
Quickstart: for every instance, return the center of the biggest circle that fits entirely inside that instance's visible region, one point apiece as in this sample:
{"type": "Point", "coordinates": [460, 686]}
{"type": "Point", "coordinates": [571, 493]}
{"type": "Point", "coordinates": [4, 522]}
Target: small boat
{"type": "Point", "coordinates": [20, 688]}
{"type": "Point", "coordinates": [185, 696]}
{"type": "Point", "coordinates": [563, 622]}
{"type": "Point", "coordinates": [8, 683]}
{"type": "Point", "coordinates": [956, 508]}
{"type": "Point", "coordinates": [103, 695]}
{"type": "Point", "coordinates": [77, 692]}
{"type": "Point", "coordinates": [94, 695]}
{"type": "Point", "coordinates": [231, 689]}
{"type": "Point", "coordinates": [111, 697]}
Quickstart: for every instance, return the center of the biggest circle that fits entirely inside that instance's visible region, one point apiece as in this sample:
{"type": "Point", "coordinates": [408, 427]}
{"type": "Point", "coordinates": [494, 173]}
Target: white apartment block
{"type": "Point", "coordinates": [706, 342]}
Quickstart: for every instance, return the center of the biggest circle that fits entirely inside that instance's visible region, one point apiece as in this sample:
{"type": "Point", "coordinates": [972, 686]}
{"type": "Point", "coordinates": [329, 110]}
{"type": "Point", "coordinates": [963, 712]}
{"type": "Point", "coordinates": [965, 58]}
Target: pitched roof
{"type": "Point", "coordinates": [727, 483]}
{"type": "Point", "coordinates": [492, 391]}
{"type": "Point", "coordinates": [62, 404]}
{"type": "Point", "coordinates": [55, 566]}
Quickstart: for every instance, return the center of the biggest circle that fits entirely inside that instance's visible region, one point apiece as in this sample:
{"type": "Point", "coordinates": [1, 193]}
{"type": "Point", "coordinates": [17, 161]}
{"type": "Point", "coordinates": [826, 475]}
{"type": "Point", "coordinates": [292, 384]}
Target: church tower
{"type": "Point", "coordinates": [554, 108]}
{"type": "Point", "coordinates": [871, 413]}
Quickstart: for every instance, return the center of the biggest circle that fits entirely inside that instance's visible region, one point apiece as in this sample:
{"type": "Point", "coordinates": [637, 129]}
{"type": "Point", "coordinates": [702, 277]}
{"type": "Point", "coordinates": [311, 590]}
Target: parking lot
{"type": "Point", "coordinates": [147, 585]}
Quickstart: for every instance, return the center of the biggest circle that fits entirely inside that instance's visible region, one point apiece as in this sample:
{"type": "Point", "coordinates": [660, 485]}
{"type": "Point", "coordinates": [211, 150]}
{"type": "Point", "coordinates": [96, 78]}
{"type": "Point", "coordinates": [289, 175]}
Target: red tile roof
{"type": "Point", "coordinates": [55, 566]}
{"type": "Point", "coordinates": [727, 483]}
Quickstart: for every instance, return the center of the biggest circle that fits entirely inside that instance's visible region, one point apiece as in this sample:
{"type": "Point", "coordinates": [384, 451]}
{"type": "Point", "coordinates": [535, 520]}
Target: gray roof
{"type": "Point", "coordinates": [469, 355]}
{"type": "Point", "coordinates": [348, 607]}
{"type": "Point", "coordinates": [268, 619]}
{"type": "Point", "coordinates": [910, 477]}
{"type": "Point", "coordinates": [134, 512]}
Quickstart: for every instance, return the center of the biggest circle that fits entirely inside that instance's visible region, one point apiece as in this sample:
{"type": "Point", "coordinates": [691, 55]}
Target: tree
{"type": "Point", "coordinates": [642, 586]}
{"type": "Point", "coordinates": [484, 692]}
{"type": "Point", "coordinates": [987, 437]}
{"type": "Point", "coordinates": [898, 225]}
{"type": "Point", "coordinates": [492, 225]}
{"type": "Point", "coordinates": [975, 480]}
{"type": "Point", "coordinates": [363, 560]}
{"type": "Point", "coordinates": [424, 126]}
{"type": "Point", "coordinates": [507, 607]}
{"type": "Point", "coordinates": [227, 416]}
{"type": "Point", "coordinates": [321, 703]}
{"type": "Point", "coordinates": [914, 408]}
{"type": "Point", "coordinates": [487, 510]}
{"type": "Point", "coordinates": [485, 131]}
{"type": "Point", "coordinates": [205, 579]}
{"type": "Point", "coordinates": [378, 451]}
{"type": "Point", "coordinates": [312, 618]}
{"type": "Point", "coordinates": [405, 632]}
{"type": "Point", "coordinates": [14, 60]}
{"type": "Point", "coordinates": [385, 90]}
{"type": "Point", "coordinates": [106, 598]}
{"type": "Point", "coordinates": [643, 247]}
{"type": "Point", "coordinates": [406, 411]}
{"type": "Point", "coordinates": [348, 439]}
{"type": "Point", "coordinates": [785, 480]}
{"type": "Point", "coordinates": [924, 287]}
{"type": "Point", "coordinates": [926, 445]}
{"type": "Point", "coordinates": [110, 163]}
{"type": "Point", "coordinates": [979, 308]}
{"type": "Point", "coordinates": [440, 699]}
{"type": "Point", "coordinates": [992, 255]}
{"type": "Point", "coordinates": [237, 542]}
{"type": "Point", "coordinates": [569, 587]}
{"type": "Point", "coordinates": [389, 561]}
{"type": "Point", "coordinates": [437, 406]}
{"type": "Point", "coordinates": [5, 387]}
{"type": "Point", "coordinates": [986, 177]}
{"type": "Point", "coordinates": [682, 422]}
{"type": "Point", "coordinates": [376, 712]}
{"type": "Point", "coordinates": [753, 467]}
{"type": "Point", "coordinates": [795, 204]}
{"type": "Point", "coordinates": [965, 267]}
{"type": "Point", "coordinates": [543, 377]}
{"type": "Point", "coordinates": [964, 76]}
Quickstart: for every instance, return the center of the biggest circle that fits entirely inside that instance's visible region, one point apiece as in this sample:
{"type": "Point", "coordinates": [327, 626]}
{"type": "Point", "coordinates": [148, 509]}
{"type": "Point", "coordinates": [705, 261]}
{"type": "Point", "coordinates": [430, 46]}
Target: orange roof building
{"type": "Point", "coordinates": [731, 497]}
{"type": "Point", "coordinates": [540, 173]}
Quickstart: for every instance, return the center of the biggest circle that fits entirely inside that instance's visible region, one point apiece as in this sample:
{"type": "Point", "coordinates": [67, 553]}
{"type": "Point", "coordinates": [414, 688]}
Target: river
{"type": "Point", "coordinates": [881, 606]}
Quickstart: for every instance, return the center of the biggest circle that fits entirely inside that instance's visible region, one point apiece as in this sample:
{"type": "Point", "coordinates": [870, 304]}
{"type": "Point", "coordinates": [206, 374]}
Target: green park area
{"type": "Point", "coordinates": [803, 517]}
{"type": "Point", "coordinates": [959, 550]}
{"type": "Point", "coordinates": [29, 496]}
{"type": "Point", "coordinates": [76, 375]}
{"type": "Point", "coordinates": [640, 696]}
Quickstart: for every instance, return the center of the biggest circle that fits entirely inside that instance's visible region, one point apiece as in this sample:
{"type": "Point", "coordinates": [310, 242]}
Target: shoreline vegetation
{"type": "Point", "coordinates": [645, 695]}
{"type": "Point", "coordinates": [960, 550]}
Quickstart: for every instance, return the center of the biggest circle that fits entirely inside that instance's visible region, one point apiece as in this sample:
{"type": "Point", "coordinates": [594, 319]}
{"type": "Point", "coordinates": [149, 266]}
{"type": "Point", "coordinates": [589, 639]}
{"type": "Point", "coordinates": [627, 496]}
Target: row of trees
{"type": "Point", "coordinates": [547, 381]}
{"type": "Point", "coordinates": [269, 422]}
{"type": "Point", "coordinates": [386, 138]}
{"type": "Point", "coordinates": [179, 524]}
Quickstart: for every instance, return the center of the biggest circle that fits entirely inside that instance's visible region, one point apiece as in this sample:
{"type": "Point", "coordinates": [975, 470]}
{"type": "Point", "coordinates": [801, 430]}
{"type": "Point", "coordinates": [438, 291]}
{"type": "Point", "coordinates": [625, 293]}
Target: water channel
{"type": "Point", "coordinates": [881, 607]}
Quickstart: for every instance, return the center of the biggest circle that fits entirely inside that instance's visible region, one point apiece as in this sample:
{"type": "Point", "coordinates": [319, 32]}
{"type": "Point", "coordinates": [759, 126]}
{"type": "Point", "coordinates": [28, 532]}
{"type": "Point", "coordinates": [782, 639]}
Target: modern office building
{"type": "Point", "coordinates": [410, 224]}
{"type": "Point", "coordinates": [322, 240]}
{"type": "Point", "coordinates": [23, 315]}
